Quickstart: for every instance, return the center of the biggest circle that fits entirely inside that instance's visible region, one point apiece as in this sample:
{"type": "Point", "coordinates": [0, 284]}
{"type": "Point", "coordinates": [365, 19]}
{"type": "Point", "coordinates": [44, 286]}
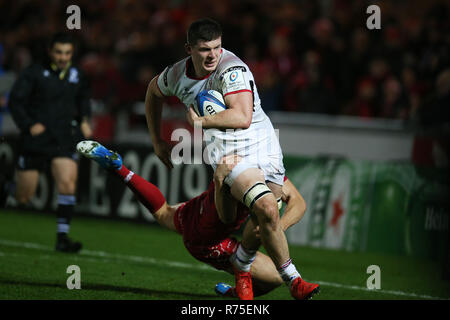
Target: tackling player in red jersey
{"type": "Point", "coordinates": [207, 221]}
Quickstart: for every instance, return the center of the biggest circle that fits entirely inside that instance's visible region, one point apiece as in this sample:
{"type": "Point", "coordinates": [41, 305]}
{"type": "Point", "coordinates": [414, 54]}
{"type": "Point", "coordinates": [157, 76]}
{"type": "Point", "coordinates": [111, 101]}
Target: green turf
{"type": "Point", "coordinates": [125, 260]}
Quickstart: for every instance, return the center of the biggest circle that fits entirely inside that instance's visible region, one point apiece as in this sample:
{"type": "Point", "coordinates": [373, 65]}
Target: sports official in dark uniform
{"type": "Point", "coordinates": [49, 103]}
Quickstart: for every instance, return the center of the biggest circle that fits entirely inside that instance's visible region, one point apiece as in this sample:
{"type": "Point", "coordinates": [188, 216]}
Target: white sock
{"type": "Point", "coordinates": [288, 272]}
{"type": "Point", "coordinates": [243, 258]}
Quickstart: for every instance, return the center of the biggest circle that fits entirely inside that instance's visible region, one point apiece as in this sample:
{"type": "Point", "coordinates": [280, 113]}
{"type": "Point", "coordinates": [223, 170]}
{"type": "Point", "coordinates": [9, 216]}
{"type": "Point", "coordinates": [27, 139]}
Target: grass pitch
{"type": "Point", "coordinates": [124, 260]}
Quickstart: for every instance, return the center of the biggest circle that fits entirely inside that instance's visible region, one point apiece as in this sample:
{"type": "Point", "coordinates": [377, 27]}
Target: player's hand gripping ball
{"type": "Point", "coordinates": [209, 102]}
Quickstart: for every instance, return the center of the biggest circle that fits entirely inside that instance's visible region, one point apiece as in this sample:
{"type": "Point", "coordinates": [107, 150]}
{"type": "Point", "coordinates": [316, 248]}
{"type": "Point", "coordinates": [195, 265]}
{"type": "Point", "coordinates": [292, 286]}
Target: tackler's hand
{"type": "Point", "coordinates": [224, 167]}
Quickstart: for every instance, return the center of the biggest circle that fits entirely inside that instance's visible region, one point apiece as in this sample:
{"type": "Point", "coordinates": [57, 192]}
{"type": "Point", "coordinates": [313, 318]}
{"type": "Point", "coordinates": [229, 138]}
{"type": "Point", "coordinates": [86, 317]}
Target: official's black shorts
{"type": "Point", "coordinates": [36, 153]}
{"type": "Point", "coordinates": [40, 162]}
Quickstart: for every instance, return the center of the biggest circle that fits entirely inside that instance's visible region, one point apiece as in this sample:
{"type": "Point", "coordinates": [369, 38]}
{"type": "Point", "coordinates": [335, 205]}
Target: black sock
{"type": "Point", "coordinates": [64, 213]}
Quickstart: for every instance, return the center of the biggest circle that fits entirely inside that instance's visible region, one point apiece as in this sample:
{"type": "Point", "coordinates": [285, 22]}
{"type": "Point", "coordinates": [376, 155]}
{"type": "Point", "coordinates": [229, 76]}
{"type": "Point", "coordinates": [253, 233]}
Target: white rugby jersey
{"type": "Point", "coordinates": [231, 76]}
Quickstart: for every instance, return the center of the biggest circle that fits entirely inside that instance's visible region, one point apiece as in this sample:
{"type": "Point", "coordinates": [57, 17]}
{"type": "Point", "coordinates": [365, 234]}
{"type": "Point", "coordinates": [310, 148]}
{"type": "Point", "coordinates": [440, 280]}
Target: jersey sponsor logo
{"type": "Point", "coordinates": [233, 76]}
{"type": "Point", "coordinates": [235, 81]}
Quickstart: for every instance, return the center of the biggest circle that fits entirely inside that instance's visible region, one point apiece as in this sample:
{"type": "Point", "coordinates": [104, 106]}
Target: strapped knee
{"type": "Point", "coordinates": [257, 191]}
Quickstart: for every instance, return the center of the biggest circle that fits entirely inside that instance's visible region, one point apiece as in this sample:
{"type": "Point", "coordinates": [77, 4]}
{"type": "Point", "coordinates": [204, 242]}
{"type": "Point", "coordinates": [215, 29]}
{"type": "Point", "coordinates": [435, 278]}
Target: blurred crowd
{"type": "Point", "coordinates": [306, 56]}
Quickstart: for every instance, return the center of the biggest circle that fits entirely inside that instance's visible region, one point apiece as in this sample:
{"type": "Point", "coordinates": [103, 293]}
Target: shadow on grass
{"type": "Point", "coordinates": [158, 294]}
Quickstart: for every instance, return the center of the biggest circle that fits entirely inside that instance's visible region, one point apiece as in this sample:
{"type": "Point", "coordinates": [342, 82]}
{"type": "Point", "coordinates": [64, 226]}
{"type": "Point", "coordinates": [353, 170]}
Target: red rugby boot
{"type": "Point", "coordinates": [302, 290]}
{"type": "Point", "coordinates": [244, 288]}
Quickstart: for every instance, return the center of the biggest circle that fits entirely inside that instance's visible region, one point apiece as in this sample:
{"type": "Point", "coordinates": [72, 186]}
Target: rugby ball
{"type": "Point", "coordinates": [209, 102]}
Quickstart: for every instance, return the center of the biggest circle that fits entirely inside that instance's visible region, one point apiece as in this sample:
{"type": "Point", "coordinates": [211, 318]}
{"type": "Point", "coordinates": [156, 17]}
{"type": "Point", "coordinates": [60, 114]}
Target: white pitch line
{"type": "Point", "coordinates": [108, 256]}
{"type": "Point", "coordinates": [393, 292]}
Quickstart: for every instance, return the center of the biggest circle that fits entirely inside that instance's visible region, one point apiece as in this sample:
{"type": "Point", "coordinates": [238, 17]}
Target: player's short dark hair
{"type": "Point", "coordinates": [205, 29]}
{"type": "Point", "coordinates": [61, 37]}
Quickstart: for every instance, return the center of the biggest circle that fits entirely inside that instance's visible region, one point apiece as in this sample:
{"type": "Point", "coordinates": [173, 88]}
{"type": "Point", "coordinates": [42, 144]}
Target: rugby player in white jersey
{"type": "Point", "coordinates": [243, 129]}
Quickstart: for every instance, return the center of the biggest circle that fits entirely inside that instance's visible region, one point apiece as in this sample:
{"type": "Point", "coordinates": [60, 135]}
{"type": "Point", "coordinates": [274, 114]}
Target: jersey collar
{"type": "Point", "coordinates": [61, 73]}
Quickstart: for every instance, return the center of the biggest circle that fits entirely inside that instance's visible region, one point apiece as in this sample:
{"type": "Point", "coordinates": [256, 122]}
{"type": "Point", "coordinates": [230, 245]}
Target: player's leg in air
{"type": "Point", "coordinates": [146, 192]}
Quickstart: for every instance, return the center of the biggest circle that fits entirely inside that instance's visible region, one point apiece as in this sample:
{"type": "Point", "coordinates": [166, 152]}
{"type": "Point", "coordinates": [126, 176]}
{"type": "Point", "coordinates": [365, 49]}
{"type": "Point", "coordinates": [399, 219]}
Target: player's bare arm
{"type": "Point", "coordinates": [153, 108]}
{"type": "Point", "coordinates": [295, 205]}
{"type": "Point", "coordinates": [293, 212]}
{"type": "Point", "coordinates": [238, 114]}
